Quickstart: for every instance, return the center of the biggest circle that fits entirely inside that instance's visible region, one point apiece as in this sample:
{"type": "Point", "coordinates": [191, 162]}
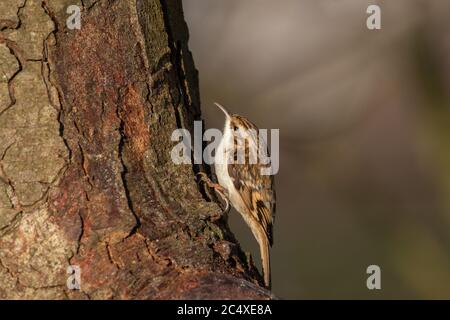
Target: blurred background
{"type": "Point", "coordinates": [364, 119]}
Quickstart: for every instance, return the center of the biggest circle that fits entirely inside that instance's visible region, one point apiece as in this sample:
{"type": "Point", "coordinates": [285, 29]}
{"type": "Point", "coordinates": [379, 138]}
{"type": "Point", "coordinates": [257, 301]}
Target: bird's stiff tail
{"type": "Point", "coordinates": [265, 257]}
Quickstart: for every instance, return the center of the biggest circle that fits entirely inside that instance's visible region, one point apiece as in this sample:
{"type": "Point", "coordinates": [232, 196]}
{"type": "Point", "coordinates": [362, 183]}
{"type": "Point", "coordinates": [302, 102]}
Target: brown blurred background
{"type": "Point", "coordinates": [364, 119]}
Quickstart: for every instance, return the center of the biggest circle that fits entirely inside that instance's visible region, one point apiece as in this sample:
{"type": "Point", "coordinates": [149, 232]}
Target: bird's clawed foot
{"type": "Point", "coordinates": [219, 190]}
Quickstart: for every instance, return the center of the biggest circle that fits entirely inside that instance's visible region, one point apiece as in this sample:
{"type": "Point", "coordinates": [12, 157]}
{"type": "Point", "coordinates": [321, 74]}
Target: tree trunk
{"type": "Point", "coordinates": [86, 177]}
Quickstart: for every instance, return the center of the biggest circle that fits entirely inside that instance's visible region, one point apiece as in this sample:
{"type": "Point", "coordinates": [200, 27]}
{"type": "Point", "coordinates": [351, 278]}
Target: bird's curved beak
{"type": "Point", "coordinates": [223, 109]}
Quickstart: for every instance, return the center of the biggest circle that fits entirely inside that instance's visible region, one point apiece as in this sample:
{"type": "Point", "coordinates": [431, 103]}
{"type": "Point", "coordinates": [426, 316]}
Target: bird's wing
{"type": "Point", "coordinates": [256, 190]}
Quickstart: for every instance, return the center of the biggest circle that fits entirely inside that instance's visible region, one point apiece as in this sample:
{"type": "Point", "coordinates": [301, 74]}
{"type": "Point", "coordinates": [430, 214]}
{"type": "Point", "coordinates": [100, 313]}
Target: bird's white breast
{"type": "Point", "coordinates": [224, 155]}
{"type": "Point", "coordinates": [222, 159]}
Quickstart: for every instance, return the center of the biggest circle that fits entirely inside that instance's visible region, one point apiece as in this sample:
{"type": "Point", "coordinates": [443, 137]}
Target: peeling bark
{"type": "Point", "coordinates": [86, 176]}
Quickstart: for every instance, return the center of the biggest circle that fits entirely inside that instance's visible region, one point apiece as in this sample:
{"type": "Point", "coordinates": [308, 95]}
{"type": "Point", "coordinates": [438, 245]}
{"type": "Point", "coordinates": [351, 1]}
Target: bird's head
{"type": "Point", "coordinates": [234, 121]}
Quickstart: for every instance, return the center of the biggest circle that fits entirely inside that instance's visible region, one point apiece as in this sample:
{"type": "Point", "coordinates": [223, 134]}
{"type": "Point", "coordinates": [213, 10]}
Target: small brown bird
{"type": "Point", "coordinates": [250, 192]}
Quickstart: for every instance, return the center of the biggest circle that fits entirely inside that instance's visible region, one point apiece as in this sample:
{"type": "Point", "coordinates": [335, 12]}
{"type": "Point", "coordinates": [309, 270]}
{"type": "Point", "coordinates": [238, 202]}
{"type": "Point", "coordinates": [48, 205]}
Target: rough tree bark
{"type": "Point", "coordinates": [86, 176]}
